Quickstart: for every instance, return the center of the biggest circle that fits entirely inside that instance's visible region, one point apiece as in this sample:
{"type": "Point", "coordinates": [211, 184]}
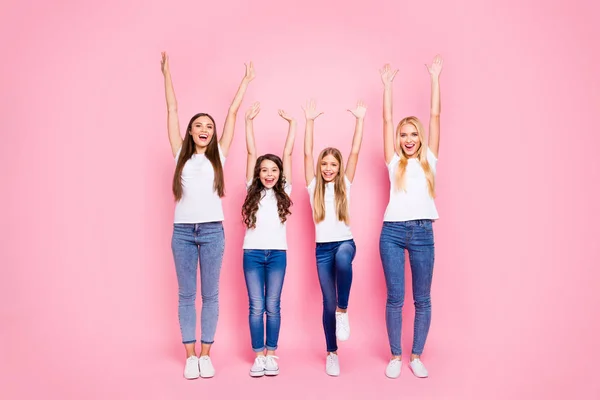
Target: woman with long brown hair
{"type": "Point", "coordinates": [329, 192]}
{"type": "Point", "coordinates": [198, 236]}
{"type": "Point", "coordinates": [265, 212]}
{"type": "Point", "coordinates": [407, 226]}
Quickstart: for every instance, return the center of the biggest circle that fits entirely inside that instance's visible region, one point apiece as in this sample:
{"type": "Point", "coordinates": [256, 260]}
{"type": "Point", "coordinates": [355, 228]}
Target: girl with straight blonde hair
{"type": "Point", "coordinates": [329, 191]}
{"type": "Point", "coordinates": [407, 226]}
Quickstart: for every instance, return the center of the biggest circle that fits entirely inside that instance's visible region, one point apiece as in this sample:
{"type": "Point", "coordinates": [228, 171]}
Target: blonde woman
{"type": "Point", "coordinates": [329, 190]}
{"type": "Point", "coordinates": [411, 162]}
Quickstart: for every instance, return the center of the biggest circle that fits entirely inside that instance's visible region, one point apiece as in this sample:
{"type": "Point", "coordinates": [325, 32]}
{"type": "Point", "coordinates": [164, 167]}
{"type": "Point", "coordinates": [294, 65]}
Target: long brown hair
{"type": "Point", "coordinates": [188, 148]}
{"type": "Point", "coordinates": [341, 201]}
{"type": "Point", "coordinates": [256, 193]}
{"type": "Point", "coordinates": [421, 156]}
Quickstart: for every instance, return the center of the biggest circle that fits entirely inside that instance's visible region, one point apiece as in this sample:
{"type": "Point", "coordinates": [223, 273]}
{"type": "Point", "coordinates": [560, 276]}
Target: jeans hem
{"type": "Point", "coordinates": [206, 342]}
{"type": "Point", "coordinates": [189, 341]}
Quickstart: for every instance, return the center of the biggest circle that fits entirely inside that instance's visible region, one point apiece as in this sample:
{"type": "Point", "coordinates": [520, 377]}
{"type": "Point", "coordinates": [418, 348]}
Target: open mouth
{"type": "Point", "coordinates": [270, 181]}
{"type": "Point", "coordinates": [409, 146]}
{"type": "Point", "coordinates": [328, 175]}
{"type": "Point", "coordinates": [203, 136]}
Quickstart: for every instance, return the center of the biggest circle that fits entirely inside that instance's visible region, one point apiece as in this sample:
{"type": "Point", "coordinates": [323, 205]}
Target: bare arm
{"type": "Point", "coordinates": [387, 77]}
{"type": "Point", "coordinates": [172, 118]}
{"type": "Point", "coordinates": [434, 115]}
{"type": "Point", "coordinates": [289, 146]}
{"type": "Point", "coordinates": [250, 144]}
{"type": "Point", "coordinates": [311, 113]}
{"type": "Point", "coordinates": [229, 127]}
{"type": "Point", "coordinates": [359, 113]}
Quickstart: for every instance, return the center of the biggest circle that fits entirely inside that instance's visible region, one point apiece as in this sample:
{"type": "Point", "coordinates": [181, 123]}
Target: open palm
{"type": "Point", "coordinates": [435, 69]}
{"type": "Point", "coordinates": [360, 110]}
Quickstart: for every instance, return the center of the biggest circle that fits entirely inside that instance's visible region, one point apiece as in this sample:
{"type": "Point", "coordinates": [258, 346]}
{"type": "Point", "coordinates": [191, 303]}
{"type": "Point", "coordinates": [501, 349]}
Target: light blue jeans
{"type": "Point", "coordinates": [416, 237]}
{"type": "Point", "coordinates": [191, 243]}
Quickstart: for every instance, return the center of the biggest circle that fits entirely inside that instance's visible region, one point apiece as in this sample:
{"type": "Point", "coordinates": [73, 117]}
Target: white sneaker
{"type": "Point", "coordinates": [418, 368]}
{"type": "Point", "coordinates": [191, 370]}
{"type": "Point", "coordinates": [342, 326]}
{"type": "Point", "coordinates": [206, 368]}
{"type": "Point", "coordinates": [332, 366]}
{"type": "Point", "coordinates": [258, 368]}
{"type": "Point", "coordinates": [394, 368]}
{"type": "Point", "coordinates": [271, 367]}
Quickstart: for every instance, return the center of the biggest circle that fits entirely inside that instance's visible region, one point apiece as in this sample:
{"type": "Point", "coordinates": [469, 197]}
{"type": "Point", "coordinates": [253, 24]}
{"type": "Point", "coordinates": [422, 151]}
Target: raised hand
{"type": "Point", "coordinates": [164, 62]}
{"type": "Point", "coordinates": [360, 110]}
{"type": "Point", "coordinates": [285, 116]}
{"type": "Point", "coordinates": [387, 75]}
{"type": "Point", "coordinates": [253, 111]}
{"type": "Point", "coordinates": [435, 69]}
{"type": "Point", "coordinates": [310, 110]}
{"type": "Point", "coordinates": [250, 73]}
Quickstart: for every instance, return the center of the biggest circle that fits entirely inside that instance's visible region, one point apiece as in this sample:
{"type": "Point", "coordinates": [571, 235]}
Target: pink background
{"type": "Point", "coordinates": [88, 289]}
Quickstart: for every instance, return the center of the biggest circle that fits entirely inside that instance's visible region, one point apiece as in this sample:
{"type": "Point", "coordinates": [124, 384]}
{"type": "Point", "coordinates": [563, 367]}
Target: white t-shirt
{"type": "Point", "coordinates": [415, 202]}
{"type": "Point", "coordinates": [331, 229]}
{"type": "Point", "coordinates": [199, 202]}
{"type": "Point", "coordinates": [270, 233]}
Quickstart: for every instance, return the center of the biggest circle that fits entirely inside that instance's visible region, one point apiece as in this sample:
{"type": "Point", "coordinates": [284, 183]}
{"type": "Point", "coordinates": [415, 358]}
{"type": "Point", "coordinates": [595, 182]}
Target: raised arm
{"type": "Point", "coordinates": [387, 77]}
{"type": "Point", "coordinates": [435, 69]}
{"type": "Point", "coordinates": [359, 113]}
{"type": "Point", "coordinates": [289, 146]}
{"type": "Point", "coordinates": [311, 113]}
{"type": "Point", "coordinates": [250, 144]}
{"type": "Point", "coordinates": [172, 118]}
{"type": "Point", "coordinates": [229, 127]}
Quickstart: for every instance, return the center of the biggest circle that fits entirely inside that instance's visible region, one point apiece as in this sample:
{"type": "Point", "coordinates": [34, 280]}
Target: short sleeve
{"type": "Point", "coordinates": [177, 155]}
{"type": "Point", "coordinates": [347, 181]}
{"type": "Point", "coordinates": [221, 156]}
{"type": "Point", "coordinates": [431, 159]}
{"type": "Point", "coordinates": [311, 186]}
{"type": "Point", "coordinates": [395, 159]}
{"type": "Point", "coordinates": [287, 189]}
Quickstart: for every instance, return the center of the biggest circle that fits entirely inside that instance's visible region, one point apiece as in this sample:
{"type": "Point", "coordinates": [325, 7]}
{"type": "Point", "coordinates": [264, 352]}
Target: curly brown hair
{"type": "Point", "coordinates": [256, 193]}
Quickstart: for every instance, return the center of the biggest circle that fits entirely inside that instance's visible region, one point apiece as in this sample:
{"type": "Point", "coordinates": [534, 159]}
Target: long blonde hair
{"type": "Point", "coordinates": [341, 202]}
{"type": "Point", "coordinates": [400, 183]}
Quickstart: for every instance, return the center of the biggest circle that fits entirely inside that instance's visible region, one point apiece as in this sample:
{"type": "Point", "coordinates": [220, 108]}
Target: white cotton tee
{"type": "Point", "coordinates": [415, 202]}
{"type": "Point", "coordinates": [331, 229]}
{"type": "Point", "coordinates": [270, 233]}
{"type": "Point", "coordinates": [199, 202]}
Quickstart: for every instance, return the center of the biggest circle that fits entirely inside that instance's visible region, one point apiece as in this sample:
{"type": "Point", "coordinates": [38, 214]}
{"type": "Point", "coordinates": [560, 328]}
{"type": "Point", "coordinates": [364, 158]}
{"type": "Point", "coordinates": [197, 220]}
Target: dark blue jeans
{"type": "Point", "coordinates": [264, 271]}
{"type": "Point", "coordinates": [334, 266]}
{"type": "Point", "coordinates": [416, 237]}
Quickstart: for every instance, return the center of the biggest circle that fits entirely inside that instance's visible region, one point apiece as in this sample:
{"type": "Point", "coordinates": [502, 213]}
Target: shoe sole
{"type": "Point", "coordinates": [207, 376]}
{"type": "Point", "coordinates": [257, 374]}
{"type": "Point", "coordinates": [422, 377]}
{"type": "Point", "coordinates": [272, 373]}
{"type": "Point", "coordinates": [191, 378]}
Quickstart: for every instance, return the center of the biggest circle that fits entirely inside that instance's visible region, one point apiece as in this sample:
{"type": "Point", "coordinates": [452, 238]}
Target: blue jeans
{"type": "Point", "coordinates": [416, 237]}
{"type": "Point", "coordinates": [190, 243]}
{"type": "Point", "coordinates": [334, 266]}
{"type": "Point", "coordinates": [264, 271]}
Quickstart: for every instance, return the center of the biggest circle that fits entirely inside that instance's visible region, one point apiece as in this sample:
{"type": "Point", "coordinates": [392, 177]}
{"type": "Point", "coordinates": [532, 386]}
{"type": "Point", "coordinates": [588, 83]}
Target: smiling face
{"type": "Point", "coordinates": [202, 131]}
{"type": "Point", "coordinates": [269, 173]}
{"type": "Point", "coordinates": [330, 167]}
{"type": "Point", "coordinates": [410, 143]}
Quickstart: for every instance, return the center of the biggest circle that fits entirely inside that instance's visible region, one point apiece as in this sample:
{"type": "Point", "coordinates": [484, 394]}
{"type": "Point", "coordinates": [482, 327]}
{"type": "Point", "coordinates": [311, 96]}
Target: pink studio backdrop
{"type": "Point", "coordinates": [88, 291]}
